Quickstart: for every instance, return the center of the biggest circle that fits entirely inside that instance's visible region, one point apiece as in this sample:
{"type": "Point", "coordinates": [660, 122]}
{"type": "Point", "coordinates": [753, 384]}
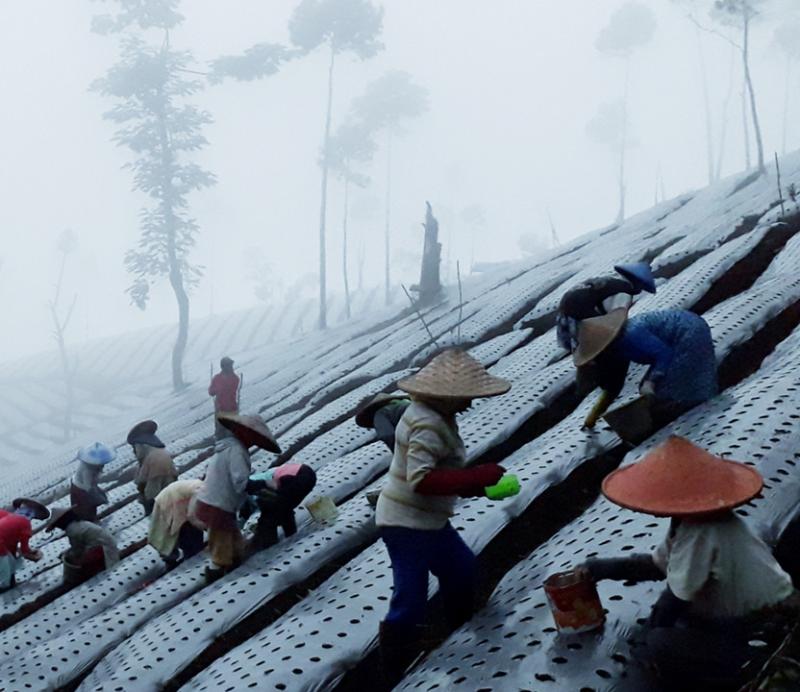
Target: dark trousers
{"type": "Point", "coordinates": [275, 511]}
{"type": "Point", "coordinates": [414, 554]}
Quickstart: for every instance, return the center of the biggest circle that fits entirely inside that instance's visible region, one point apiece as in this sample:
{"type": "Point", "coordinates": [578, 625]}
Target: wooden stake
{"type": "Point", "coordinates": [780, 191]}
{"type": "Point", "coordinates": [460, 302]}
{"type": "Point", "coordinates": [421, 318]}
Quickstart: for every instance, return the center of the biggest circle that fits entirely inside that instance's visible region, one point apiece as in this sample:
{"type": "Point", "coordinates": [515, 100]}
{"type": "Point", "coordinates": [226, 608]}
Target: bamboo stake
{"type": "Point", "coordinates": [419, 314]}
{"type": "Point", "coordinates": [780, 191]}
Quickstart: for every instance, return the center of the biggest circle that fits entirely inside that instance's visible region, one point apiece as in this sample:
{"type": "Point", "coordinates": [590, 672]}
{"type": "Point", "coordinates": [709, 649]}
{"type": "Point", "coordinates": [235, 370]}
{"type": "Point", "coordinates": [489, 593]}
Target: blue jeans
{"type": "Point", "coordinates": [414, 553]}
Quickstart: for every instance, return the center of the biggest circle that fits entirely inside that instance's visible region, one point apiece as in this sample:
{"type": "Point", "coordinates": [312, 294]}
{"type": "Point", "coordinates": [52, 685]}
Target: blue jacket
{"type": "Point", "coordinates": [677, 346]}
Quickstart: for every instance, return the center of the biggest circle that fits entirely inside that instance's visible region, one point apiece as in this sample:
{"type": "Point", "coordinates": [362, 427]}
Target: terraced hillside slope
{"type": "Point", "coordinates": [304, 614]}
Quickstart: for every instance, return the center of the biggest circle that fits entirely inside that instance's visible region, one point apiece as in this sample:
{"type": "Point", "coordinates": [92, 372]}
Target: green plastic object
{"type": "Point", "coordinates": [507, 486]}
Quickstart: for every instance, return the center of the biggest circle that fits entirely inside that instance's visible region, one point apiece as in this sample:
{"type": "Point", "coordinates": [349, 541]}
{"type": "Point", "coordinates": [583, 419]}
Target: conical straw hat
{"type": "Point", "coordinates": [595, 335]}
{"type": "Point", "coordinates": [678, 478]}
{"type": "Point", "coordinates": [40, 511]}
{"type": "Point", "coordinates": [454, 374]}
{"type": "Point", "coordinates": [254, 427]}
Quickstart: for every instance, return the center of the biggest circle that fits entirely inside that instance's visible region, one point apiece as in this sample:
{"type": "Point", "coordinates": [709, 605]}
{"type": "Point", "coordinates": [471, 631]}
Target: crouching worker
{"type": "Point", "coordinates": [425, 478]}
{"type": "Point", "coordinates": [156, 469]}
{"type": "Point", "coordinates": [92, 548]}
{"type": "Point", "coordinates": [382, 413]}
{"type": "Point", "coordinates": [15, 533]}
{"type": "Point", "coordinates": [276, 493]}
{"type": "Point", "coordinates": [172, 532]}
{"type": "Point", "coordinates": [225, 489]}
{"type": "Point", "coordinates": [85, 493]}
{"type": "Point", "coordinates": [676, 344]}
{"type": "Point", "coordinates": [724, 589]}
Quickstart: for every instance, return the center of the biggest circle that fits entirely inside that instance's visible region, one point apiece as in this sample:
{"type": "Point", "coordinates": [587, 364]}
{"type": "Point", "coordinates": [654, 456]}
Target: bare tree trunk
{"type": "Point", "coordinates": [707, 107]}
{"type": "Point", "coordinates": [59, 329]}
{"type": "Point", "coordinates": [623, 143]}
{"type": "Point", "coordinates": [725, 108]}
{"type": "Point", "coordinates": [387, 229]}
{"type": "Point", "coordinates": [323, 304]}
{"type": "Point", "coordinates": [344, 248]}
{"type": "Point", "coordinates": [362, 256]}
{"type": "Point", "coordinates": [786, 98]}
{"type": "Point", "coordinates": [748, 161]}
{"type": "Point", "coordinates": [175, 274]}
{"type": "Point", "coordinates": [749, 81]}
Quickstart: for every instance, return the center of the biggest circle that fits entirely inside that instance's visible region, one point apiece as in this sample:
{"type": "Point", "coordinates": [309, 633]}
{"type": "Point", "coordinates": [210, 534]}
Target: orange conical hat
{"type": "Point", "coordinates": [454, 374]}
{"type": "Point", "coordinates": [679, 478]}
{"type": "Point", "coordinates": [595, 335]}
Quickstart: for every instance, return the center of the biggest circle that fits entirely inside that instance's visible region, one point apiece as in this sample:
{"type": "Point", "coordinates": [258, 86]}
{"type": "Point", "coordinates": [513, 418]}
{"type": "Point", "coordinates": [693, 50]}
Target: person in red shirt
{"type": "Point", "coordinates": [15, 533]}
{"type": "Point", "coordinates": [224, 388]}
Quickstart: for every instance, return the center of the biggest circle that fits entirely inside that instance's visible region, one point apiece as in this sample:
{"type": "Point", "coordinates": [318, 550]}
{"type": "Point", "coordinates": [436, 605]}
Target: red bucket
{"type": "Point", "coordinates": [574, 602]}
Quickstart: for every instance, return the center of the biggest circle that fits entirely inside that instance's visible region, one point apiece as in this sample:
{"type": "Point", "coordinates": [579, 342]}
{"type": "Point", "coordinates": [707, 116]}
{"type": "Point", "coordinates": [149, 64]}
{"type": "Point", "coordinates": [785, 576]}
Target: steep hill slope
{"type": "Point", "coordinates": [304, 614]}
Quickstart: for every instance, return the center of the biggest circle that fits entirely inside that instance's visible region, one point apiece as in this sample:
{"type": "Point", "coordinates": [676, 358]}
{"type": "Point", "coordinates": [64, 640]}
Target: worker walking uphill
{"type": "Point", "coordinates": [224, 388]}
{"type": "Point", "coordinates": [156, 468]}
{"type": "Point", "coordinates": [15, 533]}
{"type": "Point", "coordinates": [276, 493]}
{"type": "Point", "coordinates": [85, 493]}
{"type": "Point", "coordinates": [225, 489]}
{"type": "Point", "coordinates": [725, 596]}
{"type": "Point", "coordinates": [92, 548]}
{"type": "Point", "coordinates": [425, 479]}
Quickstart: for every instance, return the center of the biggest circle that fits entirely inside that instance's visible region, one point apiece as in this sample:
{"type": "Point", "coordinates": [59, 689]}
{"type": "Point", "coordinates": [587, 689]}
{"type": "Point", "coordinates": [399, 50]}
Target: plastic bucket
{"type": "Point", "coordinates": [322, 509]}
{"type": "Point", "coordinates": [574, 602]}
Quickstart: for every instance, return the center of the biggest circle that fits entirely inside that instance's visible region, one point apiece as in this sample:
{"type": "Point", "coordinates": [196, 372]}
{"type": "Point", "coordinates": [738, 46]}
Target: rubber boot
{"type": "Point", "coordinates": [214, 573]}
{"type": "Point", "coordinates": [399, 646]}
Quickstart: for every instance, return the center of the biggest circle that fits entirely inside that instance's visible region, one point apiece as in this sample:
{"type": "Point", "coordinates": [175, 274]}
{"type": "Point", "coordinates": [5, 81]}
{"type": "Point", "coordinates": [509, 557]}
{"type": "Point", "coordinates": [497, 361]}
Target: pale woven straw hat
{"type": "Point", "coordinates": [253, 427]}
{"type": "Point", "coordinates": [454, 374]}
{"type": "Point", "coordinates": [595, 335]}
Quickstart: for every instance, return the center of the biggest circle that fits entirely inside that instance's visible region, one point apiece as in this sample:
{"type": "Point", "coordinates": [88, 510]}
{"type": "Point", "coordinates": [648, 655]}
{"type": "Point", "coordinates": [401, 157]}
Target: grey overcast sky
{"type": "Point", "coordinates": [512, 86]}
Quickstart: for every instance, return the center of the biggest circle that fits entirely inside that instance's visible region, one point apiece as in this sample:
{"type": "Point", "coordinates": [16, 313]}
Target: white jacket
{"type": "Point", "coordinates": [227, 476]}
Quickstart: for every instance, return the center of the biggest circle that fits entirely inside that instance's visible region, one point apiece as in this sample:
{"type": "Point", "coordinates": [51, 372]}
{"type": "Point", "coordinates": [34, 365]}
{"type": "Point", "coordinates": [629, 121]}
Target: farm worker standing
{"type": "Point", "coordinates": [224, 388]}
{"type": "Point", "coordinates": [85, 493]}
{"type": "Point", "coordinates": [156, 468]}
{"type": "Point", "coordinates": [15, 533]}
{"type": "Point", "coordinates": [724, 589]}
{"type": "Point", "coordinates": [426, 477]}
{"type": "Point", "coordinates": [226, 488]}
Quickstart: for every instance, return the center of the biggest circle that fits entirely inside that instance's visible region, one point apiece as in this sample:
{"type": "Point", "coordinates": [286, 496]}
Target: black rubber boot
{"type": "Point", "coordinates": [399, 646]}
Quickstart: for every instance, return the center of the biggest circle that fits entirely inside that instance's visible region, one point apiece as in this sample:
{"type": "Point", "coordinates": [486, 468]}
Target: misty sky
{"type": "Point", "coordinates": [512, 86]}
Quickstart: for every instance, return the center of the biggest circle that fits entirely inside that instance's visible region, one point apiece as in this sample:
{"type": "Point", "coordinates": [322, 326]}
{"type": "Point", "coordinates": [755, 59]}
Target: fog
{"type": "Point", "coordinates": [512, 85]}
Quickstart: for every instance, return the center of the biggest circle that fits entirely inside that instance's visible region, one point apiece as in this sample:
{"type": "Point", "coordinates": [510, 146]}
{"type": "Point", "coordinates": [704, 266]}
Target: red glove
{"type": "Point", "coordinates": [462, 482]}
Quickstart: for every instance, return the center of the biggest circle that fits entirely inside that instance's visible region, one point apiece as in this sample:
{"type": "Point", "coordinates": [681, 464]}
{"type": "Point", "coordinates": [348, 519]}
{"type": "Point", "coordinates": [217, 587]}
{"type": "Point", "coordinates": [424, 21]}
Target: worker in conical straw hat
{"type": "Point", "coordinates": [382, 413]}
{"type": "Point", "coordinates": [85, 493]}
{"type": "Point", "coordinates": [92, 548]}
{"type": "Point", "coordinates": [599, 296]}
{"type": "Point", "coordinates": [156, 468]}
{"type": "Point", "coordinates": [675, 344]}
{"type": "Point", "coordinates": [426, 476]}
{"type": "Point", "coordinates": [227, 483]}
{"type": "Point", "coordinates": [722, 582]}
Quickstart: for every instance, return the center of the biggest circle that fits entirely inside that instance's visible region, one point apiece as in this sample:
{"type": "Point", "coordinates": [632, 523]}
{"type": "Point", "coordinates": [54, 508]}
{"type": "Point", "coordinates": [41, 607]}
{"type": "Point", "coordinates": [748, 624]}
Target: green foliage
{"type": "Point", "coordinates": [159, 127]}
{"type": "Point", "coordinates": [144, 14]}
{"type": "Point", "coordinates": [262, 60]}
{"type": "Point", "coordinates": [347, 25]}
{"type": "Point", "coordinates": [390, 100]}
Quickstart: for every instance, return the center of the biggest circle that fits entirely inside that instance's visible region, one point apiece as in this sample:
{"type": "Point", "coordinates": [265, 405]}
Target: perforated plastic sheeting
{"type": "Point", "coordinates": [320, 638]}
{"type": "Point", "coordinates": [322, 659]}
{"type": "Point", "coordinates": [694, 282]}
{"type": "Point", "coordinates": [513, 643]}
{"type": "Point", "coordinates": [76, 619]}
